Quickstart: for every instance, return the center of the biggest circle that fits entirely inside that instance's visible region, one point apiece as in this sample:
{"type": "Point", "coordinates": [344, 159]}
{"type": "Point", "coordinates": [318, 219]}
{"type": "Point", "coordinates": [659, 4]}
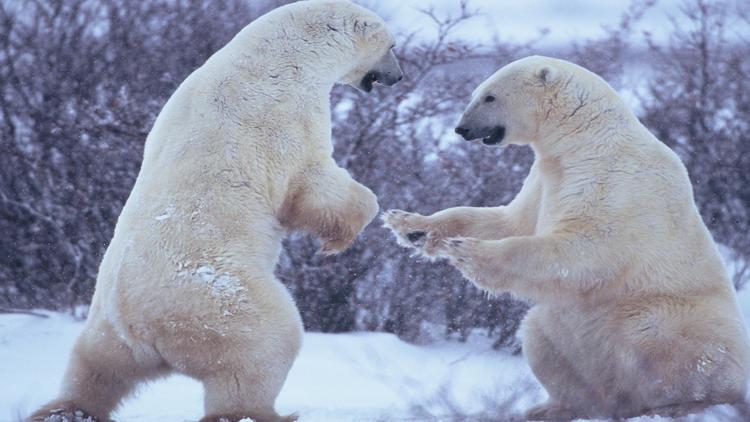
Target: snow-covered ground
{"type": "Point", "coordinates": [338, 377]}
{"type": "Point", "coordinates": [356, 377]}
{"type": "Point", "coordinates": [342, 377]}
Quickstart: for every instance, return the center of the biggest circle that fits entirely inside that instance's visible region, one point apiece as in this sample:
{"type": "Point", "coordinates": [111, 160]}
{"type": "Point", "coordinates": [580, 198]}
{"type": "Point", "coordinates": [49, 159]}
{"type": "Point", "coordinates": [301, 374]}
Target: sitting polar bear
{"type": "Point", "coordinates": [240, 154]}
{"type": "Point", "coordinates": [634, 311]}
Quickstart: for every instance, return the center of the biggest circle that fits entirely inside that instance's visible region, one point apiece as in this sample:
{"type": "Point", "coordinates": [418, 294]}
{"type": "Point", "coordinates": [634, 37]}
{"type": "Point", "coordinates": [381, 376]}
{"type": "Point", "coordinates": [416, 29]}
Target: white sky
{"type": "Point", "coordinates": [521, 20]}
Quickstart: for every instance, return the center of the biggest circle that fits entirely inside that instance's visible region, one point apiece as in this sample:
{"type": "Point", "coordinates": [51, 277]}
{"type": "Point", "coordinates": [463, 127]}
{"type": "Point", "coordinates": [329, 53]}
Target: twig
{"type": "Point", "coordinates": [22, 311]}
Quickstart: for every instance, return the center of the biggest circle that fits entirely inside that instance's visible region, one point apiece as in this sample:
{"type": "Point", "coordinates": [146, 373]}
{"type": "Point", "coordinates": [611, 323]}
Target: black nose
{"type": "Point", "coordinates": [462, 131]}
{"type": "Point", "coordinates": [388, 79]}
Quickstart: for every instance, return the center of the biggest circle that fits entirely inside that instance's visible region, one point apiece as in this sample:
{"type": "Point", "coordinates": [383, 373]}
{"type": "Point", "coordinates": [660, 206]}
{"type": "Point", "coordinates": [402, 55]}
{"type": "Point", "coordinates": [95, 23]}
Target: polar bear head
{"type": "Point", "coordinates": [343, 41]}
{"type": "Point", "coordinates": [533, 100]}
{"type": "Point", "coordinates": [370, 41]}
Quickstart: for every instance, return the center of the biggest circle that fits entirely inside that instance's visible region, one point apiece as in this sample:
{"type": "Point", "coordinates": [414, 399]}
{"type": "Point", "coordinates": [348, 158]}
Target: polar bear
{"type": "Point", "coordinates": [633, 310]}
{"type": "Point", "coordinates": [239, 156]}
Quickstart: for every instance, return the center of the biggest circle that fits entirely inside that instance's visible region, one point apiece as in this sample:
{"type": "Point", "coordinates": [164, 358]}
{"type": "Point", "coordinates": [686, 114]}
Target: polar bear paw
{"type": "Point", "coordinates": [461, 252]}
{"type": "Point", "coordinates": [406, 226]}
{"type": "Point", "coordinates": [550, 412]}
{"type": "Point", "coordinates": [255, 418]}
{"type": "Point", "coordinates": [61, 412]}
{"type": "Point", "coordinates": [413, 231]}
{"type": "Point", "coordinates": [475, 258]}
{"type": "Point", "coordinates": [334, 246]}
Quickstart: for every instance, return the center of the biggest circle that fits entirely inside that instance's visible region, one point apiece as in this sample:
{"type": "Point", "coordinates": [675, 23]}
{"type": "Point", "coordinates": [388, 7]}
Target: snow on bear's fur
{"type": "Point", "coordinates": [240, 155]}
{"type": "Point", "coordinates": [634, 311]}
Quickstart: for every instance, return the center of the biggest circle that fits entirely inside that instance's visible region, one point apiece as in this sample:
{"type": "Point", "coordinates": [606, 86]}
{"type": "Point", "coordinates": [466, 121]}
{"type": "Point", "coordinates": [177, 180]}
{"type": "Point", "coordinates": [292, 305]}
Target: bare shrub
{"type": "Point", "coordinates": [698, 103]}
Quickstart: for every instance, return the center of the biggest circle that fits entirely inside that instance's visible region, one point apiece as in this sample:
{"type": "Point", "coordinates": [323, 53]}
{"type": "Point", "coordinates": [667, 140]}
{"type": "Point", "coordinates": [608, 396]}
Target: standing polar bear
{"type": "Point", "coordinates": [240, 155]}
{"type": "Point", "coordinates": [634, 311]}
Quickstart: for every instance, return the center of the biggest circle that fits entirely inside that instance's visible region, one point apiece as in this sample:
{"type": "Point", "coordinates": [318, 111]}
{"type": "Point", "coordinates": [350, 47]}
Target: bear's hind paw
{"type": "Point", "coordinates": [549, 412]}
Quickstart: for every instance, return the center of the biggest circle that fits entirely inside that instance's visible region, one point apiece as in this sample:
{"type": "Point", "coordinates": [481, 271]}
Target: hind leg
{"type": "Point", "coordinates": [251, 375]}
{"type": "Point", "coordinates": [247, 391]}
{"type": "Point", "coordinates": [554, 369]}
{"type": "Point", "coordinates": [242, 358]}
{"type": "Point", "coordinates": [100, 373]}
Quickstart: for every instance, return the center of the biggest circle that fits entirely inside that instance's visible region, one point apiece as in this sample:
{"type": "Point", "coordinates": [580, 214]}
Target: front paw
{"type": "Point", "coordinates": [457, 250]}
{"type": "Point", "coordinates": [468, 256]}
{"type": "Point", "coordinates": [417, 238]}
{"type": "Point", "coordinates": [339, 238]}
{"type": "Point", "coordinates": [410, 228]}
{"type": "Point", "coordinates": [340, 231]}
{"type": "Point", "coordinates": [334, 246]}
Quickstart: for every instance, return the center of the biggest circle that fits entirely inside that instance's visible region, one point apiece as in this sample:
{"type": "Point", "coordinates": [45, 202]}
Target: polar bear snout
{"type": "Point", "coordinates": [482, 122]}
{"type": "Point", "coordinates": [490, 135]}
{"type": "Point", "coordinates": [387, 78]}
{"type": "Point", "coordinates": [386, 71]}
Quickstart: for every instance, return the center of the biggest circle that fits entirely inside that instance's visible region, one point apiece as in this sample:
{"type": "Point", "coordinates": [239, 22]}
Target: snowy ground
{"type": "Point", "coordinates": [343, 377]}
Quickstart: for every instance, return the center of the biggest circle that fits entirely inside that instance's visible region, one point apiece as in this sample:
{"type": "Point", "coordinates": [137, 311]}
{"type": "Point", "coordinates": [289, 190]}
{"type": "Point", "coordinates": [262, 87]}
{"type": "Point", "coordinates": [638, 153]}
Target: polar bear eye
{"type": "Point", "coordinates": [489, 98]}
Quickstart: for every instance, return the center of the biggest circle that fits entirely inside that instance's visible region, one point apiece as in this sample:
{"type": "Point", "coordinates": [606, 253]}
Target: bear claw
{"type": "Point", "coordinates": [415, 236]}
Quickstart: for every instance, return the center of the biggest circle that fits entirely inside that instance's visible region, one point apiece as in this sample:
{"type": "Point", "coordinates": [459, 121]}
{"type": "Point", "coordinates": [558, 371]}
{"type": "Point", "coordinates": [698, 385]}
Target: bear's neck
{"type": "Point", "coordinates": [591, 132]}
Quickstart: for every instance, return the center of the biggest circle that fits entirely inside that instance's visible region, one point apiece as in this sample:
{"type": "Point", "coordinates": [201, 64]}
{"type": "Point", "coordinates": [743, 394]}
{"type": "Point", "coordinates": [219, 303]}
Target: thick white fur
{"type": "Point", "coordinates": [634, 311]}
{"type": "Point", "coordinates": [240, 155]}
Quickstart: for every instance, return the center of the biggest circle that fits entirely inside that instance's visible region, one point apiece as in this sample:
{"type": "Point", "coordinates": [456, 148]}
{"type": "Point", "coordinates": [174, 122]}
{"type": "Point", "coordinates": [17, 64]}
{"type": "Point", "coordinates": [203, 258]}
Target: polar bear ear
{"type": "Point", "coordinates": [547, 74]}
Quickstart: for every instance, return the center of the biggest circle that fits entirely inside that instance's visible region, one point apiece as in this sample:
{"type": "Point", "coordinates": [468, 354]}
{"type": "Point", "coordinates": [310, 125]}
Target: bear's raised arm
{"type": "Point", "coordinates": [327, 202]}
{"type": "Point", "coordinates": [425, 233]}
{"type": "Point", "coordinates": [541, 268]}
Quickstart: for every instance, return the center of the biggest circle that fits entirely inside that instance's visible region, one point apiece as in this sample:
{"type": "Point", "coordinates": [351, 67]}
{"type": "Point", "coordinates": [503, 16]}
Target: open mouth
{"type": "Point", "coordinates": [495, 137]}
{"type": "Point", "coordinates": [366, 83]}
